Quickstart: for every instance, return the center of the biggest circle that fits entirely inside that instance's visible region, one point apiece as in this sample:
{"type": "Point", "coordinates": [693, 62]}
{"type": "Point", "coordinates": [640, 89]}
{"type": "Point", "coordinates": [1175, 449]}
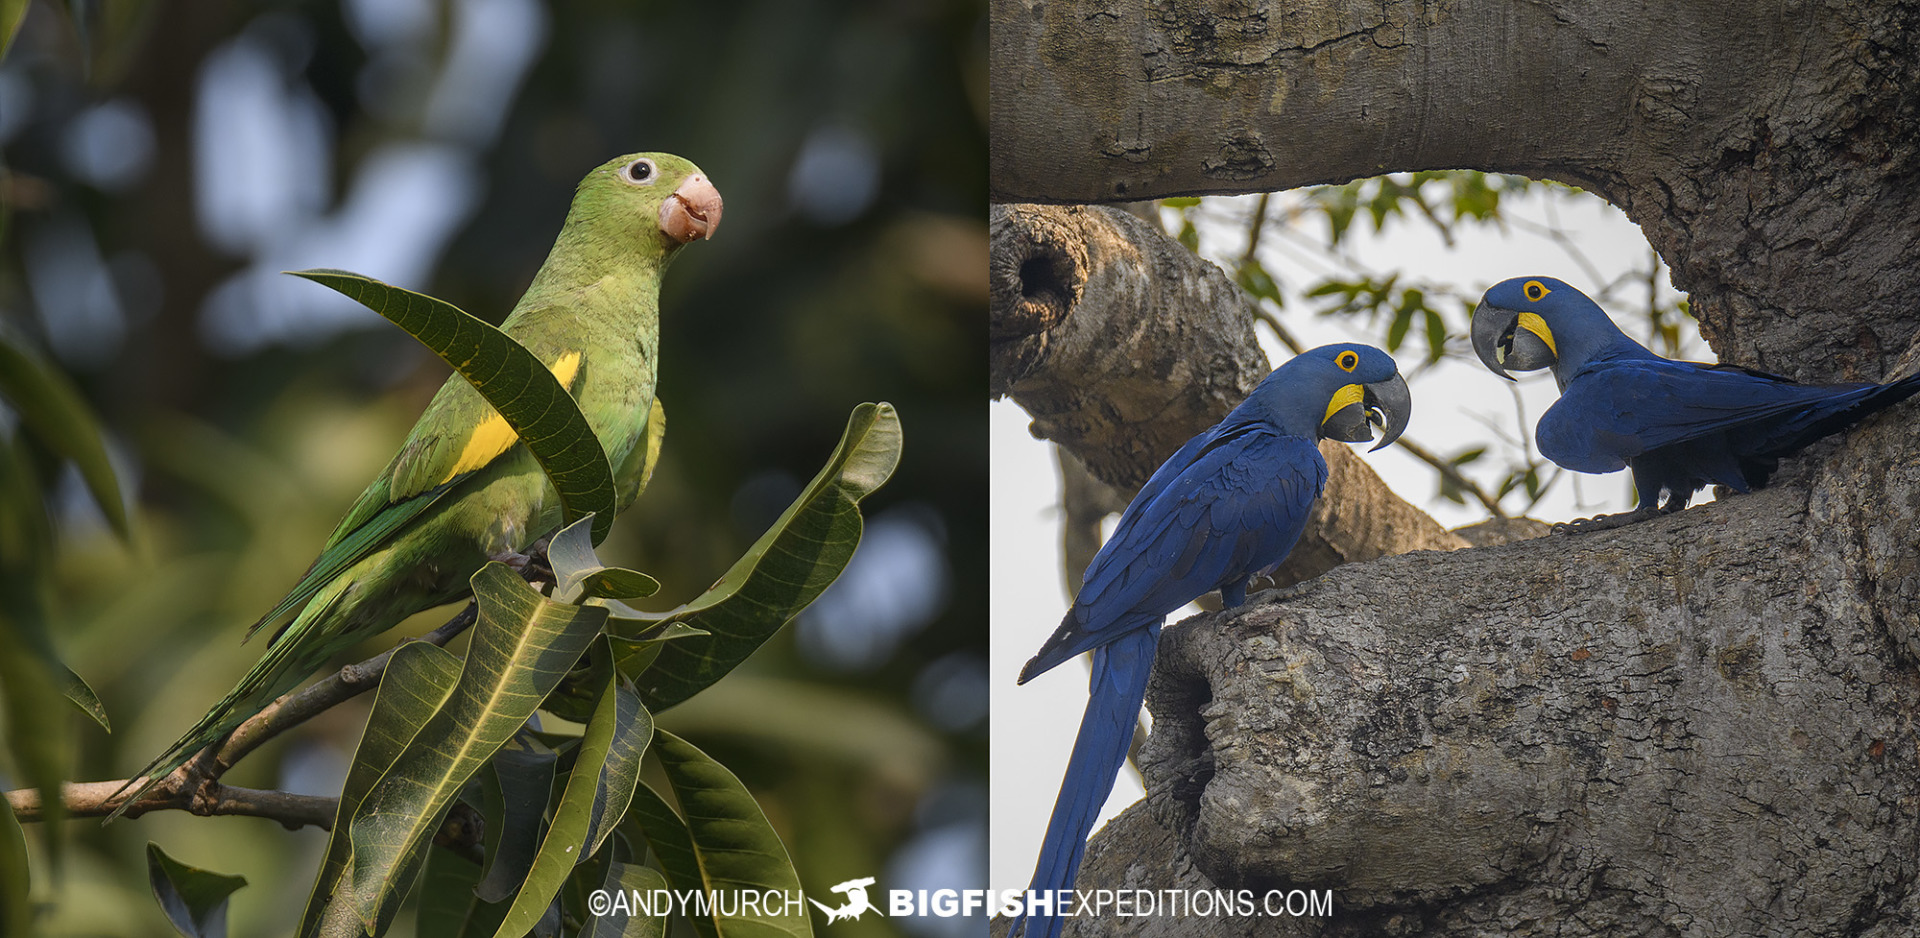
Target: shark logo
{"type": "Point", "coordinates": [856, 892]}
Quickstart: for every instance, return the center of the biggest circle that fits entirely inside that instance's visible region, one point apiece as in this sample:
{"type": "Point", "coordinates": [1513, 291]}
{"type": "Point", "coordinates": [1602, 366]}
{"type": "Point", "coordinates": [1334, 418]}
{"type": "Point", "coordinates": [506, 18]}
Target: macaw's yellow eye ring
{"type": "Point", "coordinates": [1535, 290]}
{"type": "Point", "coordinates": [1347, 360]}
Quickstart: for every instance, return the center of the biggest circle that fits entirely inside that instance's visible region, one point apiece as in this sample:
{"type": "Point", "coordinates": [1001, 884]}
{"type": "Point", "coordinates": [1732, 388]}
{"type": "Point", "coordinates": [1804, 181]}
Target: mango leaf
{"type": "Point", "coordinates": [521, 647]}
{"type": "Point", "coordinates": [12, 14]}
{"type": "Point", "coordinates": [606, 769]}
{"type": "Point", "coordinates": [523, 777]}
{"type": "Point", "coordinates": [652, 819]}
{"type": "Point", "coordinates": [75, 689]}
{"type": "Point", "coordinates": [579, 573]}
{"type": "Point", "coordinates": [16, 878]}
{"type": "Point", "coordinates": [786, 569]}
{"type": "Point", "coordinates": [417, 680]}
{"type": "Point", "coordinates": [622, 918]}
{"type": "Point", "coordinates": [518, 386]}
{"type": "Point", "coordinates": [52, 409]}
{"type": "Point", "coordinates": [448, 907]}
{"type": "Point", "coordinates": [733, 846]}
{"type": "Point", "coordinates": [635, 655]}
{"type": "Point", "coordinates": [27, 663]}
{"type": "Point", "coordinates": [194, 899]}
{"type": "Point", "coordinates": [445, 895]}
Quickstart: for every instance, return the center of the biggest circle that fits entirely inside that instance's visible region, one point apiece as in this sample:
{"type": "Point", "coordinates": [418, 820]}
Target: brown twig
{"type": "Point", "coordinates": [1453, 475]}
{"type": "Point", "coordinates": [96, 799]}
{"type": "Point", "coordinates": [195, 787]}
{"type": "Point", "coordinates": [297, 708]}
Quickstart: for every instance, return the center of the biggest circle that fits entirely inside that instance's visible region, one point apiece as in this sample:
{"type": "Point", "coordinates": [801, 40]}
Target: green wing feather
{"type": "Point", "coordinates": [458, 435]}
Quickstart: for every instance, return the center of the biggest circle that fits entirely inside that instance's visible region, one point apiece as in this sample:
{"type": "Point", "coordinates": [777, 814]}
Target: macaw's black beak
{"type": "Point", "coordinates": [1508, 341]}
{"type": "Point", "coordinates": [1357, 409]}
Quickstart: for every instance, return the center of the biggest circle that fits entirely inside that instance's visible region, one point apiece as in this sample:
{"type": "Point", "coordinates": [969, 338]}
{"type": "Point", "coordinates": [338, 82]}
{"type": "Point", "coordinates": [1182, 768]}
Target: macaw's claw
{"type": "Point", "coordinates": [1618, 519]}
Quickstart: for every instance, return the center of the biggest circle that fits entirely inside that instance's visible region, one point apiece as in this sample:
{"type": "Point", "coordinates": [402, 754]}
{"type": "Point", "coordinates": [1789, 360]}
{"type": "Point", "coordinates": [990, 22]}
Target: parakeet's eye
{"type": "Point", "coordinates": [1535, 290]}
{"type": "Point", "coordinates": [1347, 360]}
{"type": "Point", "coordinates": [641, 171]}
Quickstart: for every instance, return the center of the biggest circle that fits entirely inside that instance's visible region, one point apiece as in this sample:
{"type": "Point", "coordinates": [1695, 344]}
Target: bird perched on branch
{"type": "Point", "coordinates": [1226, 507]}
{"type": "Point", "coordinates": [1680, 426]}
{"type": "Point", "coordinates": [463, 489]}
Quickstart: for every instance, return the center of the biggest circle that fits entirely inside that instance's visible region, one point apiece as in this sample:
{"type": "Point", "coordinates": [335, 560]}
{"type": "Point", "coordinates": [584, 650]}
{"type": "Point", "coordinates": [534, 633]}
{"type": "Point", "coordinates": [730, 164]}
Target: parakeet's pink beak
{"type": "Point", "coordinates": [692, 212]}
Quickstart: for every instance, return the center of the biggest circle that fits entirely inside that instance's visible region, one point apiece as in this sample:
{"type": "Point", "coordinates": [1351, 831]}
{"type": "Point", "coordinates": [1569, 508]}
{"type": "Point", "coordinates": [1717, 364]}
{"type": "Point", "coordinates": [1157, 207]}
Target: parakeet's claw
{"type": "Point", "coordinates": [531, 565]}
{"type": "Point", "coordinates": [1618, 519]}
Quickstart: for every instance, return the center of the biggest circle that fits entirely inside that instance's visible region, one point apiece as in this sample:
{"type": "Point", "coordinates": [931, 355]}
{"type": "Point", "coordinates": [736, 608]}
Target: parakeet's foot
{"type": "Point", "coordinates": [532, 565]}
{"type": "Point", "coordinates": [1619, 519]}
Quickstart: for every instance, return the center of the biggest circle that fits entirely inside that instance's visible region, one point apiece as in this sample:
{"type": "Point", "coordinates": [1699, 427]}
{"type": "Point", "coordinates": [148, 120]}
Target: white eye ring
{"type": "Point", "coordinates": [640, 172]}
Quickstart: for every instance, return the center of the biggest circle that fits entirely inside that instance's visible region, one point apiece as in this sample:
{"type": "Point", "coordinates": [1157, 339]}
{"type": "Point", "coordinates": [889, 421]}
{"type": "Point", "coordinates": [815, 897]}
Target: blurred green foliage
{"type": "Point", "coordinates": [848, 140]}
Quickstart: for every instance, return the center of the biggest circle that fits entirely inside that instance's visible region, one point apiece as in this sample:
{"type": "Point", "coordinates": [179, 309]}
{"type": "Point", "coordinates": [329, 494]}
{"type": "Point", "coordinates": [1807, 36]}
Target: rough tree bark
{"type": "Point", "coordinates": [1699, 725]}
{"type": "Point", "coordinates": [1121, 344]}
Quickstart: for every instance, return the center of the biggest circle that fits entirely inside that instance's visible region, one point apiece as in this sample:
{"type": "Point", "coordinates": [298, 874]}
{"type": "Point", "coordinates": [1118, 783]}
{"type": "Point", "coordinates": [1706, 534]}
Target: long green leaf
{"type": "Point", "coordinates": [195, 900]}
{"type": "Point", "coordinates": [16, 878]}
{"type": "Point", "coordinates": [622, 919]}
{"type": "Point", "coordinates": [28, 668]}
{"type": "Point", "coordinates": [417, 680]}
{"type": "Point", "coordinates": [578, 572]}
{"type": "Point", "coordinates": [522, 646]}
{"type": "Point", "coordinates": [518, 386]}
{"type": "Point", "coordinates": [524, 778]}
{"type": "Point", "coordinates": [448, 908]}
{"type": "Point", "coordinates": [12, 14]}
{"type": "Point", "coordinates": [605, 770]}
{"type": "Point", "coordinates": [445, 895]}
{"type": "Point", "coordinates": [53, 410]}
{"type": "Point", "coordinates": [735, 847]}
{"type": "Point", "coordinates": [784, 571]}
{"type": "Point", "coordinates": [651, 818]}
{"type": "Point", "coordinates": [75, 689]}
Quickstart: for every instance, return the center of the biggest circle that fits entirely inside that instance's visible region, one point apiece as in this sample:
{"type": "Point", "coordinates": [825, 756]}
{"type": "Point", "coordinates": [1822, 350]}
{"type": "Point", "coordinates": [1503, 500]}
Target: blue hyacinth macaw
{"type": "Point", "coordinates": [1226, 507]}
{"type": "Point", "coordinates": [1680, 426]}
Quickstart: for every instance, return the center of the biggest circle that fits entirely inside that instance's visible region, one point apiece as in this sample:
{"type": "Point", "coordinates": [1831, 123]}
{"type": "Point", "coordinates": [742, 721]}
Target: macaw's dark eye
{"type": "Point", "coordinates": [1535, 290]}
{"type": "Point", "coordinates": [1347, 360]}
{"type": "Point", "coordinates": [640, 171]}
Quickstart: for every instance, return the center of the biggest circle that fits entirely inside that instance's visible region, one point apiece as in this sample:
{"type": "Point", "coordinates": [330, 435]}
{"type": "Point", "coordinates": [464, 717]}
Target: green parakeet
{"type": "Point", "coordinates": [463, 490]}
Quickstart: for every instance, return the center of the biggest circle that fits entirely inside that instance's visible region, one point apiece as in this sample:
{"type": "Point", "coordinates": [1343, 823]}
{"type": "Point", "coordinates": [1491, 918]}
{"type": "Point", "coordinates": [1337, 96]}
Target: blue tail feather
{"type": "Point", "coordinates": [1119, 686]}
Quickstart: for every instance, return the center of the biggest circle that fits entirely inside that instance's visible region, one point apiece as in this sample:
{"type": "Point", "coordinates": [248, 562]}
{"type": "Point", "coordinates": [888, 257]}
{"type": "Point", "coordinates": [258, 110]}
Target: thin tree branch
{"type": "Point", "coordinates": [96, 799]}
{"type": "Point", "coordinates": [1452, 473]}
{"type": "Point", "coordinates": [297, 708]}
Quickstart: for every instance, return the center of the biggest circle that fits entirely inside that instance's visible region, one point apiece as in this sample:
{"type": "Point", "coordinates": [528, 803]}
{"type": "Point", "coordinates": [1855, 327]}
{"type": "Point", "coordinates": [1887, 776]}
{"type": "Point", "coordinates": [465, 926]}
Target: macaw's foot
{"type": "Point", "coordinates": [1605, 522]}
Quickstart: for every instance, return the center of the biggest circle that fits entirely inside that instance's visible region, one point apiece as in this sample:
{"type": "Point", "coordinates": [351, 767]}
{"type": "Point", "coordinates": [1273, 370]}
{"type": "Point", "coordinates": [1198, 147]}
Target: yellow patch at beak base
{"type": "Point", "coordinates": [1538, 326]}
{"type": "Point", "coordinates": [1343, 398]}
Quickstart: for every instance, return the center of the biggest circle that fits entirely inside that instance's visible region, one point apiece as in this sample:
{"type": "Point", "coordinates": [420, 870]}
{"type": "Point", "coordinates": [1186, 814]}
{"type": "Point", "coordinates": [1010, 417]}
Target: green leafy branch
{"type": "Point", "coordinates": [451, 753]}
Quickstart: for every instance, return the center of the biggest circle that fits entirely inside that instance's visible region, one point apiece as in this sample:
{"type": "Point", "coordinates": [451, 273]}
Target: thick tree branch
{"type": "Point", "coordinates": [1778, 195]}
{"type": "Point", "coordinates": [1122, 344]}
{"type": "Point", "coordinates": [1671, 722]}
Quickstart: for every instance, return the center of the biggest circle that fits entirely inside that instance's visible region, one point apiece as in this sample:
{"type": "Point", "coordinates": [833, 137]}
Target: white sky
{"type": "Point", "coordinates": [1453, 402]}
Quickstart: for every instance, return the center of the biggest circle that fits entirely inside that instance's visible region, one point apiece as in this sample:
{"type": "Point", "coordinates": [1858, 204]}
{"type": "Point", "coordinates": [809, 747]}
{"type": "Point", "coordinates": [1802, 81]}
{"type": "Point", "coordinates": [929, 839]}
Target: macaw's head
{"type": "Point", "coordinates": [1337, 392]}
{"type": "Point", "coordinates": [648, 202]}
{"type": "Point", "coordinates": [1529, 323]}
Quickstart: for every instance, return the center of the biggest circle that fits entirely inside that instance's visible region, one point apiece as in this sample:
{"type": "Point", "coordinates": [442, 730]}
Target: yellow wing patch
{"type": "Point", "coordinates": [493, 436]}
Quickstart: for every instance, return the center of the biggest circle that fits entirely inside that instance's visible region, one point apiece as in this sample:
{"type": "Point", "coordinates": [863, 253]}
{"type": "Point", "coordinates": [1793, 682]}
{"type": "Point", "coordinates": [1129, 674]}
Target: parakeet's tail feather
{"type": "Point", "coordinates": [1119, 686]}
{"type": "Point", "coordinates": [349, 548]}
{"type": "Point", "coordinates": [278, 671]}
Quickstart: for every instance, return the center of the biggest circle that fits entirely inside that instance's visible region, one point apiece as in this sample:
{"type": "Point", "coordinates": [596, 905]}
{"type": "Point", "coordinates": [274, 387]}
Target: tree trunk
{"type": "Point", "coordinates": [1697, 725]}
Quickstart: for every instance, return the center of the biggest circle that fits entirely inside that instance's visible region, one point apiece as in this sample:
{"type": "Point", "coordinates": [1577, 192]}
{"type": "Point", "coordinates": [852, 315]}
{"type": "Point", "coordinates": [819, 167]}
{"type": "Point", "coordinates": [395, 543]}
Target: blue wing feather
{"type": "Point", "coordinates": [1228, 504]}
{"type": "Point", "coordinates": [1617, 410]}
